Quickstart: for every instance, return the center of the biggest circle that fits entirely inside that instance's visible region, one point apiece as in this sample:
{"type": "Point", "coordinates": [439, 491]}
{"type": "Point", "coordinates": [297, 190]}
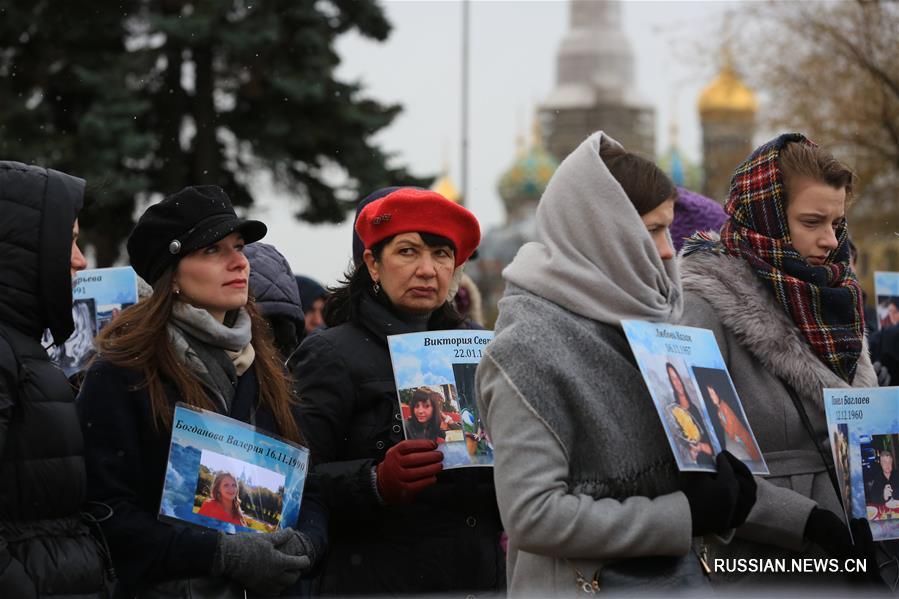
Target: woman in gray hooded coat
{"type": "Point", "coordinates": [587, 486]}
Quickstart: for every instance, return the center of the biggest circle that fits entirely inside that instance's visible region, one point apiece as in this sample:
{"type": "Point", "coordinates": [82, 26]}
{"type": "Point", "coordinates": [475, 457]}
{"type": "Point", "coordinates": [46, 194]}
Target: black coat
{"type": "Point", "coordinates": [884, 348]}
{"type": "Point", "coordinates": [45, 547]}
{"type": "Point", "coordinates": [447, 540]}
{"type": "Point", "coordinates": [126, 458]}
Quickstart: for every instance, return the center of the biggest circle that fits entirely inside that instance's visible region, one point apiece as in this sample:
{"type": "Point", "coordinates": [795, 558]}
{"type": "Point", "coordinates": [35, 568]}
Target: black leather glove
{"type": "Point", "coordinates": [254, 560]}
{"type": "Point", "coordinates": [827, 530]}
{"type": "Point", "coordinates": [720, 501]}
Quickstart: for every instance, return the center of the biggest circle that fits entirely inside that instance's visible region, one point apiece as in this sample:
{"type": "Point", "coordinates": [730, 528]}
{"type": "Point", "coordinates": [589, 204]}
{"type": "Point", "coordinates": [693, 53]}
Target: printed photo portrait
{"type": "Point", "coordinates": [674, 392]}
{"type": "Point", "coordinates": [431, 412]}
{"type": "Point", "coordinates": [477, 443]}
{"type": "Point", "coordinates": [840, 444]}
{"type": "Point", "coordinates": [887, 311]}
{"type": "Point", "coordinates": [238, 492]}
{"type": "Point", "coordinates": [73, 355]}
{"type": "Point", "coordinates": [728, 419]}
{"type": "Point", "coordinates": [880, 478]}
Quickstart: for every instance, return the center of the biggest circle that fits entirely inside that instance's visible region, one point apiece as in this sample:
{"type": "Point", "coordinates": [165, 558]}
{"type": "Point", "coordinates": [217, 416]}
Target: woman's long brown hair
{"type": "Point", "coordinates": [138, 340]}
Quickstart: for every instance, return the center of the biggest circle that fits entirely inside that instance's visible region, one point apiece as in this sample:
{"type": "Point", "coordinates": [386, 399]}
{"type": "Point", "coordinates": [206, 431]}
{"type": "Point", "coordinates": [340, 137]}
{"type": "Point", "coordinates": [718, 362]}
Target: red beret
{"type": "Point", "coordinates": [409, 210]}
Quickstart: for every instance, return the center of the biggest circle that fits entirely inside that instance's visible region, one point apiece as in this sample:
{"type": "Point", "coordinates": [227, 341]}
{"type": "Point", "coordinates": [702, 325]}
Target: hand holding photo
{"type": "Point", "coordinates": [692, 391]}
{"type": "Point", "coordinates": [225, 475]}
{"type": "Point", "coordinates": [435, 381]}
{"type": "Point", "coordinates": [863, 425]}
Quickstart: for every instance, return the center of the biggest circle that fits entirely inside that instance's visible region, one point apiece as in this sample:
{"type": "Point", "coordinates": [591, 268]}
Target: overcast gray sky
{"type": "Point", "coordinates": [513, 54]}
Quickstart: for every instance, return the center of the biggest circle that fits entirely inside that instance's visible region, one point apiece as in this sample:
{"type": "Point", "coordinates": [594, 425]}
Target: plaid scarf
{"type": "Point", "coordinates": [825, 302]}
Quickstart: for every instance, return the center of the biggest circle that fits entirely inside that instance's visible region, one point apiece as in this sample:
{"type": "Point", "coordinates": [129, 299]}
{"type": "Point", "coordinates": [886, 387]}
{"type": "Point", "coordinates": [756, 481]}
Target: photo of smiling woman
{"type": "Point", "coordinates": [699, 450]}
{"type": "Point", "coordinates": [225, 502]}
{"type": "Point", "coordinates": [425, 419]}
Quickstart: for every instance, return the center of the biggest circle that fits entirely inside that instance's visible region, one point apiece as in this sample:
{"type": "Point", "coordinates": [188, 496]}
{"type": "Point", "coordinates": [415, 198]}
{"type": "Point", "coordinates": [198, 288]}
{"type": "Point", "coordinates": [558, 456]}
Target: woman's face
{"type": "Point", "coordinates": [423, 411]}
{"type": "Point", "coordinates": [814, 213]}
{"type": "Point", "coordinates": [415, 276]}
{"type": "Point", "coordinates": [215, 278]}
{"type": "Point", "coordinates": [228, 489]}
{"type": "Point", "coordinates": [657, 222]}
{"type": "Point", "coordinates": [77, 261]}
{"type": "Point", "coordinates": [893, 313]}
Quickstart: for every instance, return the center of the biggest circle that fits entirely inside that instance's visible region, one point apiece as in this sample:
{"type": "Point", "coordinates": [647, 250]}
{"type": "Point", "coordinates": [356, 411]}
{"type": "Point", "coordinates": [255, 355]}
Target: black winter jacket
{"type": "Point", "coordinates": [447, 540]}
{"type": "Point", "coordinates": [46, 549]}
{"type": "Point", "coordinates": [126, 458]}
{"type": "Point", "coordinates": [273, 286]}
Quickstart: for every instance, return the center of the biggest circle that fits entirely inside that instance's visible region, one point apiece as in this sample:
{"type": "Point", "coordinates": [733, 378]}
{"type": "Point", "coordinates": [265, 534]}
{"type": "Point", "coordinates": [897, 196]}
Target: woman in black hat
{"type": "Point", "coordinates": [199, 340]}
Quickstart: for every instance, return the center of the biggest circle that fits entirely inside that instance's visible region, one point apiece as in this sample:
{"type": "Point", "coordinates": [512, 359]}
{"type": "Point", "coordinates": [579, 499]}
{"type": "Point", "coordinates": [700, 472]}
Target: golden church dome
{"type": "Point", "coordinates": [727, 93]}
{"type": "Point", "coordinates": [445, 187]}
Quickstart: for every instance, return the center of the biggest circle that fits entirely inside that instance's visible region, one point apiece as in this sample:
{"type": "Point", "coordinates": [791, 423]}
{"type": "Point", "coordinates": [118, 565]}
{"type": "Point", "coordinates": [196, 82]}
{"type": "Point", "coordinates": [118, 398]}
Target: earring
{"type": "Point", "coordinates": [176, 291]}
{"type": "Point", "coordinates": [376, 288]}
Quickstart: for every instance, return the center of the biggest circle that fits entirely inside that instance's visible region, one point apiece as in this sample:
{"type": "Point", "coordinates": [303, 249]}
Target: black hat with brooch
{"type": "Point", "coordinates": [184, 222]}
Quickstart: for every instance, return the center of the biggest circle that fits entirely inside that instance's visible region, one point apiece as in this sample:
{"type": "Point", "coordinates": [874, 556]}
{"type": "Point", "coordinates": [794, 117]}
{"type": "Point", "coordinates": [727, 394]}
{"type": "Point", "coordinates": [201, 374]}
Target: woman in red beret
{"type": "Point", "coordinates": [392, 504]}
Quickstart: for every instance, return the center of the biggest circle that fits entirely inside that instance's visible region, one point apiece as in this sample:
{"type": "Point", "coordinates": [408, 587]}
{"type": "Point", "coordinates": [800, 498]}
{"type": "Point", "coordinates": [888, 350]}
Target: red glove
{"type": "Point", "coordinates": [408, 467]}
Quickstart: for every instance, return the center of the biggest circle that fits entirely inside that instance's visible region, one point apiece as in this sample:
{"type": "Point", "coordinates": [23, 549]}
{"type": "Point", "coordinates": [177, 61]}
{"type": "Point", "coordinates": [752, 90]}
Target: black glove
{"type": "Point", "coordinates": [827, 530]}
{"type": "Point", "coordinates": [254, 560]}
{"type": "Point", "coordinates": [883, 375]}
{"type": "Point", "coordinates": [720, 501]}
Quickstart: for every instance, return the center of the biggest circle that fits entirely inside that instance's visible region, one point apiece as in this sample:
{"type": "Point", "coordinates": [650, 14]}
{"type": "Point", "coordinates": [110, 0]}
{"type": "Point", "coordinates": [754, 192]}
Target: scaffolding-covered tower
{"type": "Point", "coordinates": [595, 85]}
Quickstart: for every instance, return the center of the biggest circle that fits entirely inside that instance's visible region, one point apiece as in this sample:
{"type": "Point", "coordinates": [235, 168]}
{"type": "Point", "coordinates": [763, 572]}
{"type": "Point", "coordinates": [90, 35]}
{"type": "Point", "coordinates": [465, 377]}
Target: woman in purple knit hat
{"type": "Point", "coordinates": [694, 212]}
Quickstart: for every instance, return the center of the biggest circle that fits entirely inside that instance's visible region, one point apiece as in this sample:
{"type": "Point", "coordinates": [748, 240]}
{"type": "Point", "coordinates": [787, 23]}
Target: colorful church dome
{"type": "Point", "coordinates": [727, 93]}
{"type": "Point", "coordinates": [524, 182]}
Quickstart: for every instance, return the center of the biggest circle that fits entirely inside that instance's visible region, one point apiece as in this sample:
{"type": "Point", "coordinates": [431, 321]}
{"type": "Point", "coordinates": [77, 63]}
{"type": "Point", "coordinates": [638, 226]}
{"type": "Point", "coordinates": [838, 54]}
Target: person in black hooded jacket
{"type": "Point", "coordinates": [400, 524]}
{"type": "Point", "coordinates": [46, 549]}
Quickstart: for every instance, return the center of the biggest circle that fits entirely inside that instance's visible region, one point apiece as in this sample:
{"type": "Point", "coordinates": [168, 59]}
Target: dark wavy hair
{"type": "Point", "coordinates": [644, 183]}
{"type": "Point", "coordinates": [342, 304]}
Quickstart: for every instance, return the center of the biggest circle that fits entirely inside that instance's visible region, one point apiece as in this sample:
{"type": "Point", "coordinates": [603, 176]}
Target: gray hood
{"type": "Point", "coordinates": [593, 254]}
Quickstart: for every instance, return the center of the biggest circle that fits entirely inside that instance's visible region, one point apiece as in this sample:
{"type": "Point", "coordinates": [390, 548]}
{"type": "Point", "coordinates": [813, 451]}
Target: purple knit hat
{"type": "Point", "coordinates": [694, 212]}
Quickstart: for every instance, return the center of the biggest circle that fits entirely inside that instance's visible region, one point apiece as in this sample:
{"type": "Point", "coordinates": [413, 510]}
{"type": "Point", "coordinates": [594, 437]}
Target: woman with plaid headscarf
{"type": "Point", "coordinates": [776, 288]}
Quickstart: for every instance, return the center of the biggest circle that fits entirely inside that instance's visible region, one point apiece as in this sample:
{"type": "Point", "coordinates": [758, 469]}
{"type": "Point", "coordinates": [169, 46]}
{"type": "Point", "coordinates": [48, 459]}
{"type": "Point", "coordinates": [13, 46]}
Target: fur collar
{"type": "Point", "coordinates": [750, 312]}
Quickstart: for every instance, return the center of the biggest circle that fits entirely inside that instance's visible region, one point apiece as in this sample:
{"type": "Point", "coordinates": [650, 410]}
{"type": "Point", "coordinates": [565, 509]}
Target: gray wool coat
{"type": "Point", "coordinates": [582, 398]}
{"type": "Point", "coordinates": [762, 348]}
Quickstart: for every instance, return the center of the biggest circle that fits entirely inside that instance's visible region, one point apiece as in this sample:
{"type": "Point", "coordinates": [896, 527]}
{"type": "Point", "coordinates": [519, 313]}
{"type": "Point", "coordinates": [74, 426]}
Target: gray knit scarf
{"type": "Point", "coordinates": [216, 353]}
